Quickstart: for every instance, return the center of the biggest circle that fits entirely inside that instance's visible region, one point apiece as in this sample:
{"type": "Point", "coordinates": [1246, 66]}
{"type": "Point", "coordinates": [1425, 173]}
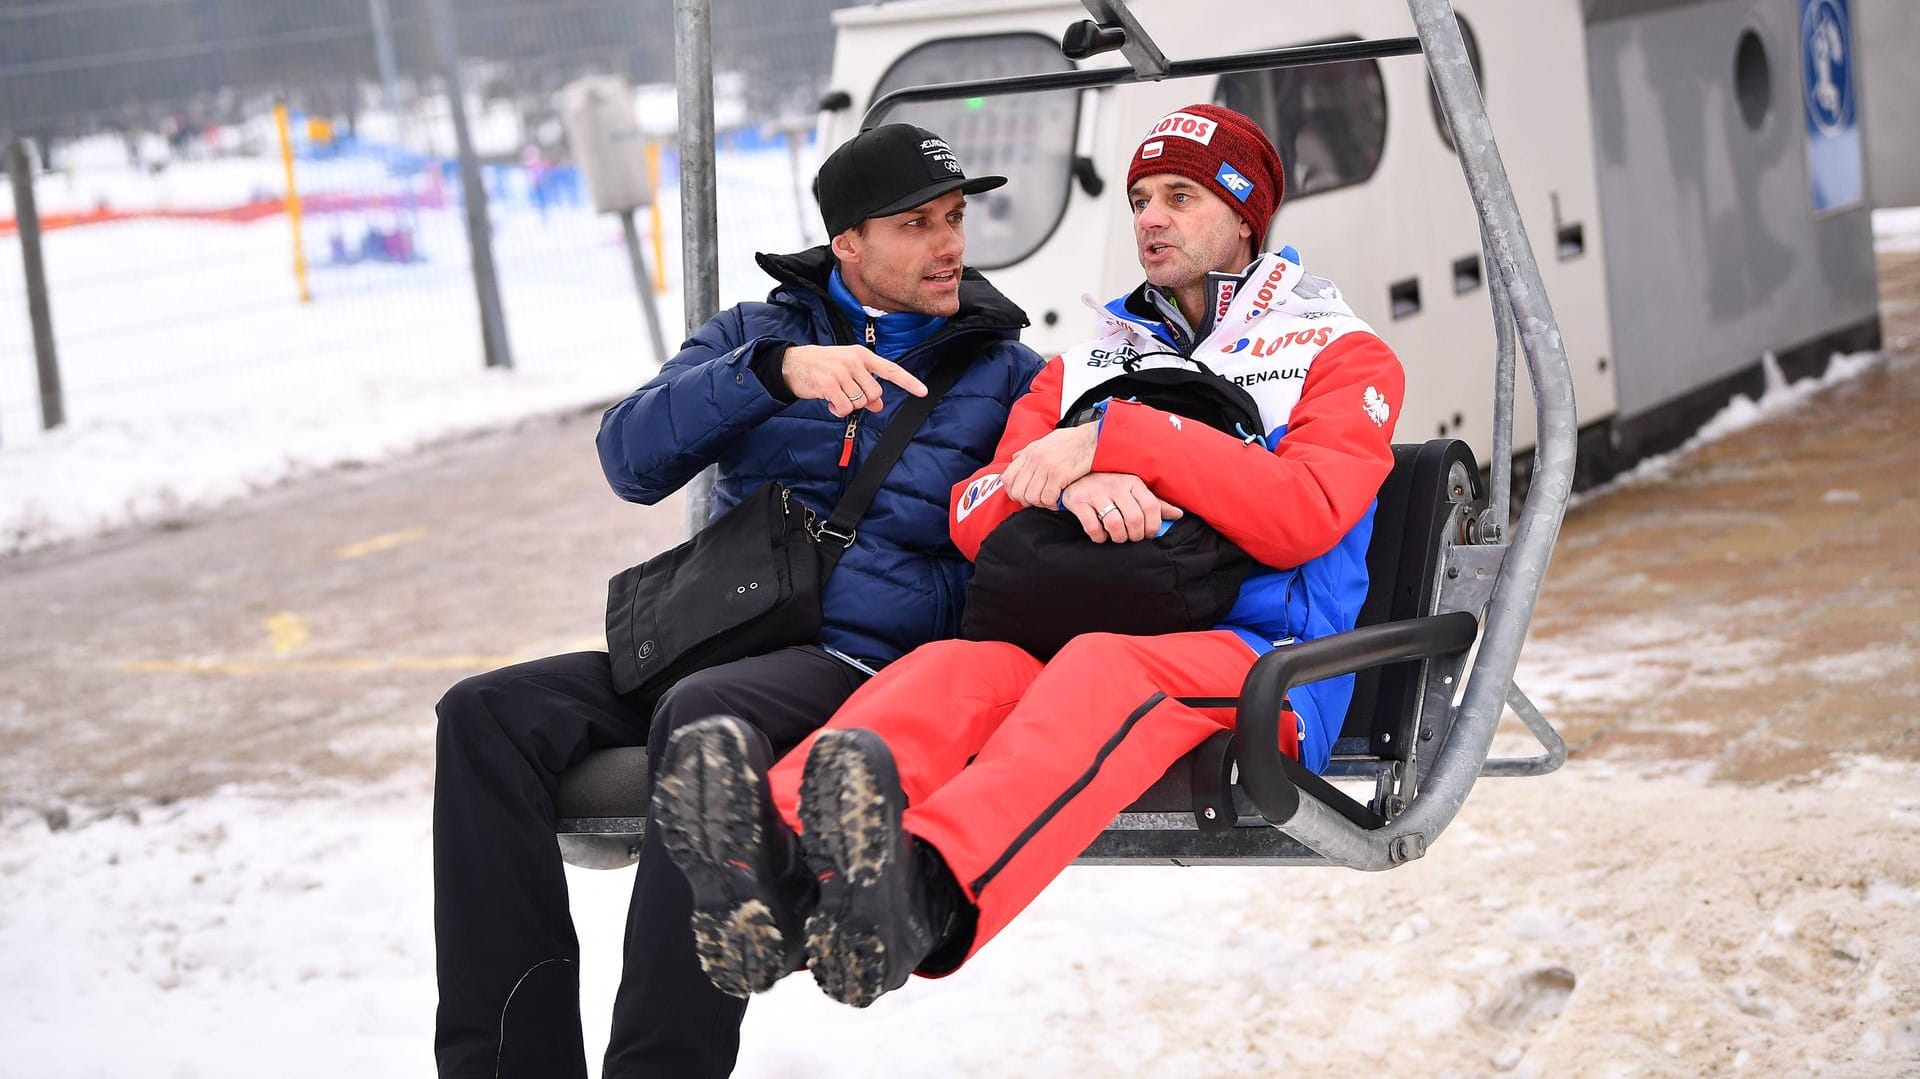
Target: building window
{"type": "Point", "coordinates": [1329, 121]}
{"type": "Point", "coordinates": [1028, 138]}
{"type": "Point", "coordinates": [1752, 79]}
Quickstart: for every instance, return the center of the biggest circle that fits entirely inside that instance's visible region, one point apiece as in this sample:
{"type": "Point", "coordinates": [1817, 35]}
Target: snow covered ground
{"type": "Point", "coordinates": [1897, 229]}
{"type": "Point", "coordinates": [1606, 921]}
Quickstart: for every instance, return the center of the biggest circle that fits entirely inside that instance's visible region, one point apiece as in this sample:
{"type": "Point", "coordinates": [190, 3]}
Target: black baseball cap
{"type": "Point", "coordinates": [888, 170]}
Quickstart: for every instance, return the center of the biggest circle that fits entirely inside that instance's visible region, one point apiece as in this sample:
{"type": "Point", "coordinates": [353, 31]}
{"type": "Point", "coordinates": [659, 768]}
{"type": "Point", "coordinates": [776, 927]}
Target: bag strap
{"type": "Point", "coordinates": [835, 534]}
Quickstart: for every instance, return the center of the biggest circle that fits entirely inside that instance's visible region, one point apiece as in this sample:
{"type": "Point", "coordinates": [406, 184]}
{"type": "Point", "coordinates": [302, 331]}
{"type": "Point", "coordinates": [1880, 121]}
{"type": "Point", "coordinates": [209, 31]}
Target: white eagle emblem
{"type": "Point", "coordinates": [1376, 406]}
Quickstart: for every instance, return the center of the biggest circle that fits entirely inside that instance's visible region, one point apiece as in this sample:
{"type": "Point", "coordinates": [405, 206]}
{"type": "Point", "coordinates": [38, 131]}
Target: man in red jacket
{"type": "Point", "coordinates": [949, 790]}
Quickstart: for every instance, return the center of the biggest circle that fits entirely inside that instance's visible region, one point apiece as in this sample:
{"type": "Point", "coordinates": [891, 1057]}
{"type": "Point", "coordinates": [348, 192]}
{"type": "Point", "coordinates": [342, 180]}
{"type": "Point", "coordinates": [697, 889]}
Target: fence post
{"type": "Point", "coordinates": [281, 126]}
{"type": "Point", "coordinates": [486, 284]}
{"type": "Point", "coordinates": [643, 284]}
{"type": "Point", "coordinates": [699, 226]}
{"type": "Point", "coordinates": [383, 54]}
{"type": "Point", "coordinates": [53, 410]}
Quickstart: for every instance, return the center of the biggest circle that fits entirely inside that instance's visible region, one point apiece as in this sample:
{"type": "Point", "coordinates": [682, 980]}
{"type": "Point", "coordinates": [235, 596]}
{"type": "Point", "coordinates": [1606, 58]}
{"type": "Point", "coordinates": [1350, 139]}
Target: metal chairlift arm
{"type": "Point", "coordinates": [1256, 745]}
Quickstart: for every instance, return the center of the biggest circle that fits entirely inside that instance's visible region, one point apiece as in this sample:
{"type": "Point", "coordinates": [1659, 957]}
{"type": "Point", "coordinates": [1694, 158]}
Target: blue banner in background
{"type": "Point", "coordinates": [1835, 166]}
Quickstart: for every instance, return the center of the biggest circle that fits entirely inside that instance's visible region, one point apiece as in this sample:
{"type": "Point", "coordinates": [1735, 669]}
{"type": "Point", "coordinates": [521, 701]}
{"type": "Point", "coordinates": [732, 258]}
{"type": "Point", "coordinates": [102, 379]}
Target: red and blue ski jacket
{"type": "Point", "coordinates": [1298, 497]}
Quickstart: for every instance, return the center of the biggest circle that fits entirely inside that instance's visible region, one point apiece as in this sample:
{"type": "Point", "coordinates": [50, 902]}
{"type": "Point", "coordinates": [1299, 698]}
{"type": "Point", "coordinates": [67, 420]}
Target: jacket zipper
{"type": "Point", "coordinates": [853, 421]}
{"type": "Point", "coordinates": [947, 333]}
{"type": "Point", "coordinates": [846, 443]}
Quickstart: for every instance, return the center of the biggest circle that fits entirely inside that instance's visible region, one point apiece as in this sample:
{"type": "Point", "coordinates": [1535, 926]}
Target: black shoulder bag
{"type": "Point", "coordinates": [1038, 581]}
{"type": "Point", "coordinates": [750, 582]}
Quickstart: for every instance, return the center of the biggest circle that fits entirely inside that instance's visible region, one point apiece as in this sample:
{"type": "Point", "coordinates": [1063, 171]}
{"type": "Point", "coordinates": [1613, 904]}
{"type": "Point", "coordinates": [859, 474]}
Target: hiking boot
{"type": "Point", "coordinates": [886, 900]}
{"type": "Point", "coordinates": [711, 805]}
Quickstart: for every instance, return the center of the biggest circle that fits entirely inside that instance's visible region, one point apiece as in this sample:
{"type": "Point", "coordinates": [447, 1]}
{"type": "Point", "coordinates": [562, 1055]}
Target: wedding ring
{"type": "Point", "coordinates": [856, 397]}
{"type": "Point", "coordinates": [1111, 508]}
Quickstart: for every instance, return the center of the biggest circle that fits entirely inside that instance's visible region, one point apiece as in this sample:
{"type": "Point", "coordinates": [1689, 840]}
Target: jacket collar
{"type": "Point", "coordinates": [1155, 312]}
{"type": "Point", "coordinates": [981, 305]}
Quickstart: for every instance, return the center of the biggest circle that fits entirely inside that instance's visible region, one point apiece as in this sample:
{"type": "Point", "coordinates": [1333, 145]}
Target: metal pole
{"type": "Point", "coordinates": [390, 92]}
{"type": "Point", "coordinates": [1550, 740]}
{"type": "Point", "coordinates": [1493, 526]}
{"type": "Point", "coordinates": [53, 410]}
{"type": "Point", "coordinates": [795, 131]}
{"type": "Point", "coordinates": [799, 187]}
{"type": "Point", "coordinates": [1512, 269]}
{"type": "Point", "coordinates": [383, 50]}
{"type": "Point", "coordinates": [699, 222]}
{"type": "Point", "coordinates": [643, 283]}
{"type": "Point", "coordinates": [486, 285]}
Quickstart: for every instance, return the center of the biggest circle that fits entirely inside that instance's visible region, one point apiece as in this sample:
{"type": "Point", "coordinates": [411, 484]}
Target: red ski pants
{"type": "Point", "coordinates": [1011, 768]}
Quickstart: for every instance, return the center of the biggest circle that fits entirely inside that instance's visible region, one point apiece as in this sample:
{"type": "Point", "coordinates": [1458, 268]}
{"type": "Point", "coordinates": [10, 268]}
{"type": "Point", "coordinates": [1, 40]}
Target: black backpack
{"type": "Point", "coordinates": [1039, 581]}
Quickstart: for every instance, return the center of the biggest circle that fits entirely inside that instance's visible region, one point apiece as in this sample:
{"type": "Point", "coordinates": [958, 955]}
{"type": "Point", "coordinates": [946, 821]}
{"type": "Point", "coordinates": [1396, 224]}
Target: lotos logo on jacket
{"type": "Point", "coordinates": [1223, 299]}
{"type": "Point", "coordinates": [1268, 346]}
{"type": "Point", "coordinates": [1269, 291]}
{"type": "Point", "coordinates": [976, 493]}
{"type": "Point", "coordinates": [1183, 125]}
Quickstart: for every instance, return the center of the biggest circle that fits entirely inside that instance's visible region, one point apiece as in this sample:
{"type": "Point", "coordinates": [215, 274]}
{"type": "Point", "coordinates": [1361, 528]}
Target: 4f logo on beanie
{"type": "Point", "coordinates": [1230, 178]}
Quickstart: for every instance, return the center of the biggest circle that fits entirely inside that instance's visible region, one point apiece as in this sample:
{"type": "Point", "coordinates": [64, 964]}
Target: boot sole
{"type": "Point", "coordinates": [708, 813]}
{"type": "Point", "coordinates": [852, 837]}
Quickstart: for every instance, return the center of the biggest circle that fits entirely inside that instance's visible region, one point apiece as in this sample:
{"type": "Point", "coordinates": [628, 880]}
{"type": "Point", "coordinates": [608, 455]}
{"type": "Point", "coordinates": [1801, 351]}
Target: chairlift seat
{"type": "Point", "coordinates": [602, 802]}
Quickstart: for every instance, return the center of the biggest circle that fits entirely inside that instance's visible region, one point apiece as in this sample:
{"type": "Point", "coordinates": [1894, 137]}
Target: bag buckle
{"type": "Point", "coordinates": [825, 529]}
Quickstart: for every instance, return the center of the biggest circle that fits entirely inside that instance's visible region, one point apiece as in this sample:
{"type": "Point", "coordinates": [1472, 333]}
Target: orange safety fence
{"type": "Point", "coordinates": [244, 213]}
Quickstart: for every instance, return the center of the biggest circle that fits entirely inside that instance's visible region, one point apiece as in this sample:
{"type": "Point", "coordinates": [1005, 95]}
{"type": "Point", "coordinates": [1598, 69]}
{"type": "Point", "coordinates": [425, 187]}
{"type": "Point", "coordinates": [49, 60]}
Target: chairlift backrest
{"type": "Point", "coordinates": [1422, 501]}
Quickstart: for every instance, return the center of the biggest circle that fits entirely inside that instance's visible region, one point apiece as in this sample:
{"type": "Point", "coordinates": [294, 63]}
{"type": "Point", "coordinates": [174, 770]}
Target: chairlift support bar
{"type": "Point", "coordinates": [1092, 78]}
{"type": "Point", "coordinates": [1550, 740]}
{"type": "Point", "coordinates": [699, 209]}
{"type": "Point", "coordinates": [1493, 523]}
{"type": "Point", "coordinates": [1520, 300]}
{"type": "Point", "coordinates": [1515, 274]}
{"type": "Point", "coordinates": [1139, 49]}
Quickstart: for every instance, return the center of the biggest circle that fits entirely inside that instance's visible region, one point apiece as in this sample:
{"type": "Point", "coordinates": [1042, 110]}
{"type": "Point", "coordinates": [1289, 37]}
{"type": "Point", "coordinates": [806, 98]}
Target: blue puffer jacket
{"type": "Point", "coordinates": [903, 582]}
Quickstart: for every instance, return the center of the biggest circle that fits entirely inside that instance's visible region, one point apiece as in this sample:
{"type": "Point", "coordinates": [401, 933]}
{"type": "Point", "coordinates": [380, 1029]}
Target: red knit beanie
{"type": "Point", "coordinates": [1221, 150]}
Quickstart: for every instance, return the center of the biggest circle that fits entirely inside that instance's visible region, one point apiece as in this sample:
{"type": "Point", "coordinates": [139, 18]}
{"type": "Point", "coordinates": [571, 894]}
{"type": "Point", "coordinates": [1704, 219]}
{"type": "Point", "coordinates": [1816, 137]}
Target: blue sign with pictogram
{"type": "Point", "coordinates": [1834, 164]}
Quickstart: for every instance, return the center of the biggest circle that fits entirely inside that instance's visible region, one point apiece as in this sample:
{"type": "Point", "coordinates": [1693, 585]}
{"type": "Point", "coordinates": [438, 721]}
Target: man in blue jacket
{"type": "Point", "coordinates": [797, 390]}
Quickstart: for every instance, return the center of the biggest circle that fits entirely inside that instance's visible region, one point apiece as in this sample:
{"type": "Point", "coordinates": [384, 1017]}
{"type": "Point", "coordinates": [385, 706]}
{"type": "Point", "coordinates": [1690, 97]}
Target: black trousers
{"type": "Point", "coordinates": [507, 956]}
